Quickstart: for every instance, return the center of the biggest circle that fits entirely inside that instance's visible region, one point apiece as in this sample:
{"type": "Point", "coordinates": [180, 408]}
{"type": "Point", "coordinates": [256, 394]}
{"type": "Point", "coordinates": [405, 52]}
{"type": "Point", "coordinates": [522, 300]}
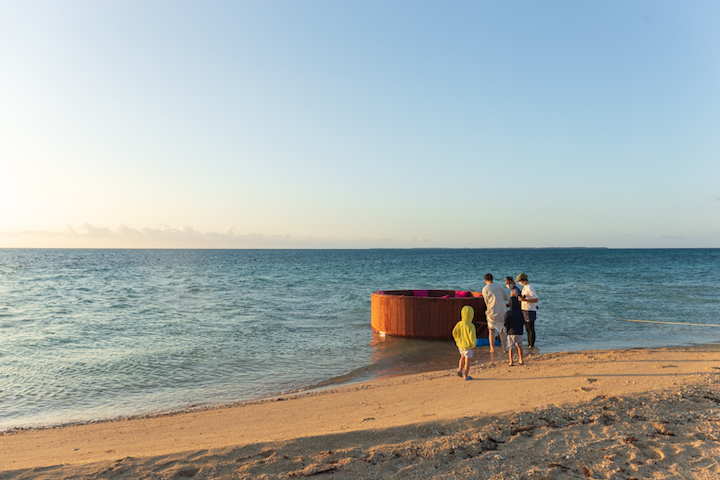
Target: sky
{"type": "Point", "coordinates": [359, 124]}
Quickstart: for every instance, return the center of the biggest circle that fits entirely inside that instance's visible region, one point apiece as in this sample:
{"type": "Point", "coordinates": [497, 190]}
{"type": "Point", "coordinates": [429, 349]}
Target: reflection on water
{"type": "Point", "coordinates": [393, 356]}
{"type": "Point", "coordinates": [399, 356]}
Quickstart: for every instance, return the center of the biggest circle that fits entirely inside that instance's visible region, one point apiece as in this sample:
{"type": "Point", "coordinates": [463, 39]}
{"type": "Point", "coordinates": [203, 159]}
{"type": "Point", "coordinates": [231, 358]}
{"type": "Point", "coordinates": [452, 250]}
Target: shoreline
{"type": "Point", "coordinates": [319, 388]}
{"type": "Point", "coordinates": [322, 388]}
{"type": "Point", "coordinates": [374, 412]}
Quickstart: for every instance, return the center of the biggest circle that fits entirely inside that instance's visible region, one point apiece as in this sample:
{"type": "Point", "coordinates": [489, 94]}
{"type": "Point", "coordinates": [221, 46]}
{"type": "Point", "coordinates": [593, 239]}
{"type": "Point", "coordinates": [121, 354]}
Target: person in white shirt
{"type": "Point", "coordinates": [496, 298]}
{"type": "Point", "coordinates": [528, 307]}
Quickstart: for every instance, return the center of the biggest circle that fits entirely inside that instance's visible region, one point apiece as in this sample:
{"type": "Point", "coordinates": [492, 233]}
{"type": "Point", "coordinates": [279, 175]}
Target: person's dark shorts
{"type": "Point", "coordinates": [529, 315]}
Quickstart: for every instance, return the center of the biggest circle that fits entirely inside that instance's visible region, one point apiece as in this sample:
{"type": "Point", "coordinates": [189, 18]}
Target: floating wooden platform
{"type": "Point", "coordinates": [424, 313]}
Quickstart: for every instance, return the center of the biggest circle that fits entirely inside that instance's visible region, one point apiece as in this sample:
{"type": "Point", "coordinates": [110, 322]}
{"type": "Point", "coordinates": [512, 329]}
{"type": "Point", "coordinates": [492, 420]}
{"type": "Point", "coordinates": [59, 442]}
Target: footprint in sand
{"type": "Point", "coordinates": [187, 472]}
{"type": "Point", "coordinates": [196, 455]}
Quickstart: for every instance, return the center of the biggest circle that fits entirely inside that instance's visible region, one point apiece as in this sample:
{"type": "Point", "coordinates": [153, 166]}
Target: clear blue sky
{"type": "Point", "coordinates": [359, 123]}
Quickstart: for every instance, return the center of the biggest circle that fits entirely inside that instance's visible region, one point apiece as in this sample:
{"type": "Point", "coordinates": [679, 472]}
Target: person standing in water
{"type": "Point", "coordinates": [529, 307]}
{"type": "Point", "coordinates": [514, 321]}
{"type": "Point", "coordinates": [496, 299]}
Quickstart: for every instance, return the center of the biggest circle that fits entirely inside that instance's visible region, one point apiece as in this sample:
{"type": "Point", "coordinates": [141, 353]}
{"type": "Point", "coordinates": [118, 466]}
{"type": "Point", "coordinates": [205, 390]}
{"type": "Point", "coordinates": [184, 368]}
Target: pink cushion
{"type": "Point", "coordinates": [420, 293]}
{"type": "Point", "coordinates": [462, 293]}
{"type": "Point", "coordinates": [446, 296]}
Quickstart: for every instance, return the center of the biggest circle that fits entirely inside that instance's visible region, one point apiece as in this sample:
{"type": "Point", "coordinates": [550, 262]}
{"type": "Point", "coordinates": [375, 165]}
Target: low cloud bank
{"type": "Point", "coordinates": [90, 236]}
{"type": "Point", "coordinates": [163, 236]}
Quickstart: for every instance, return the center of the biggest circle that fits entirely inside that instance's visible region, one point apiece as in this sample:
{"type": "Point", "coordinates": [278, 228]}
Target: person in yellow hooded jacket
{"type": "Point", "coordinates": [465, 337]}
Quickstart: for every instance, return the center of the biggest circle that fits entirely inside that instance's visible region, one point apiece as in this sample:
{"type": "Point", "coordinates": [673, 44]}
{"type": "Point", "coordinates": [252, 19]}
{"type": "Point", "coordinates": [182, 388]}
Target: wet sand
{"type": "Point", "coordinates": [640, 413]}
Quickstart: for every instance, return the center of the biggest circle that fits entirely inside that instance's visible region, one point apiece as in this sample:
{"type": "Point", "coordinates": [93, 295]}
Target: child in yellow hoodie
{"type": "Point", "coordinates": [465, 337]}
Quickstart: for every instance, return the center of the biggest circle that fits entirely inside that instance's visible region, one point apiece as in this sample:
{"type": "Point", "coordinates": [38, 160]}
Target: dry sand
{"type": "Point", "coordinates": [641, 413]}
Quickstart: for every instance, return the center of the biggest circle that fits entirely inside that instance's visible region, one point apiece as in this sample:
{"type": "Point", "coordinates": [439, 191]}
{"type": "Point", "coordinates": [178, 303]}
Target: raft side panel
{"type": "Point", "coordinates": [398, 313]}
{"type": "Point", "coordinates": [436, 318]}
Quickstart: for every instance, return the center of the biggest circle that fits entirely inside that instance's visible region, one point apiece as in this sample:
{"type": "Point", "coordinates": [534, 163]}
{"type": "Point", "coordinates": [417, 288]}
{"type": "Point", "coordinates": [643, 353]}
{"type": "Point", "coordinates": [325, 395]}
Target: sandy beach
{"type": "Point", "coordinates": [640, 413]}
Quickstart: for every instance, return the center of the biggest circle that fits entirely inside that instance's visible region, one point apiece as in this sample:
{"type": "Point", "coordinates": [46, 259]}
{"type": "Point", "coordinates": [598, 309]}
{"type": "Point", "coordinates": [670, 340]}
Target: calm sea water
{"type": "Point", "coordinates": [95, 334]}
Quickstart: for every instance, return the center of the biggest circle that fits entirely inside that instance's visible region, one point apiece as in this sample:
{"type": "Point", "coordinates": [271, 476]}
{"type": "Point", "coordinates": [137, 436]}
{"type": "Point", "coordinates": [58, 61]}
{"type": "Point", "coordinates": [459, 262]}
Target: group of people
{"type": "Point", "coordinates": [508, 310]}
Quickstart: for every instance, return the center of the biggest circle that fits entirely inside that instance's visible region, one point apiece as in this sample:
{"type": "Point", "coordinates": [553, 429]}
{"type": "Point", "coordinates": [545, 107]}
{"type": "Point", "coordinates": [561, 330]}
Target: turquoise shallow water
{"type": "Point", "coordinates": [95, 334]}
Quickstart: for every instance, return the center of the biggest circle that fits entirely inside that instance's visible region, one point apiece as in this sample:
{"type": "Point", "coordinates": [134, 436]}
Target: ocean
{"type": "Point", "coordinates": [88, 335]}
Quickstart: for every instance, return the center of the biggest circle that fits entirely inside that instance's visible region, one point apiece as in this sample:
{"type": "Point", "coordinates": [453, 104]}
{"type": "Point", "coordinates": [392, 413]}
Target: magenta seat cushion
{"type": "Point", "coordinates": [461, 293]}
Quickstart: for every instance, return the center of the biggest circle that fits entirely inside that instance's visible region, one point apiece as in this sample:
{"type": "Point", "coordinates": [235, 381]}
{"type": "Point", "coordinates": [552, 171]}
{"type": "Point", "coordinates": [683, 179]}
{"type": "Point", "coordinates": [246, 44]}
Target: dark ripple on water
{"type": "Point", "coordinates": [89, 334]}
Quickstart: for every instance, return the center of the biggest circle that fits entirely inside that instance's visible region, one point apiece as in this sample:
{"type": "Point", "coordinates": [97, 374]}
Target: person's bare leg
{"type": "Point", "coordinates": [503, 340]}
{"type": "Point", "coordinates": [510, 356]}
{"type": "Point", "coordinates": [460, 364]}
{"type": "Point", "coordinates": [466, 372]}
{"type": "Point", "coordinates": [520, 354]}
{"type": "Point", "coordinates": [491, 339]}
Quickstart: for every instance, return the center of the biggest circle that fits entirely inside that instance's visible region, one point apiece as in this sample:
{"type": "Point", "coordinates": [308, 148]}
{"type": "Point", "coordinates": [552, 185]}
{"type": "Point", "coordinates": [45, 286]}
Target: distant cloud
{"type": "Point", "coordinates": [164, 236]}
{"type": "Point", "coordinates": [716, 199]}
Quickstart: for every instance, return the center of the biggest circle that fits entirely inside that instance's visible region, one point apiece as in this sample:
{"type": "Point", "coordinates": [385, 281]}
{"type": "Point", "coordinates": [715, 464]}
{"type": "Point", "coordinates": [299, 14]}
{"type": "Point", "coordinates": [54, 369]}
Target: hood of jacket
{"type": "Point", "coordinates": [467, 313]}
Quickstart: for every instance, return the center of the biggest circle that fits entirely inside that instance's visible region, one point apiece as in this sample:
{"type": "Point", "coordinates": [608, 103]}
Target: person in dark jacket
{"type": "Point", "coordinates": [514, 322]}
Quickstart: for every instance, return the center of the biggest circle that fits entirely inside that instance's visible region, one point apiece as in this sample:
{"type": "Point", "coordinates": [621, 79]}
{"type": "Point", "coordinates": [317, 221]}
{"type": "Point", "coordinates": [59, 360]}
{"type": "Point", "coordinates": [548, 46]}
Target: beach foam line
{"type": "Point", "coordinates": [670, 323]}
